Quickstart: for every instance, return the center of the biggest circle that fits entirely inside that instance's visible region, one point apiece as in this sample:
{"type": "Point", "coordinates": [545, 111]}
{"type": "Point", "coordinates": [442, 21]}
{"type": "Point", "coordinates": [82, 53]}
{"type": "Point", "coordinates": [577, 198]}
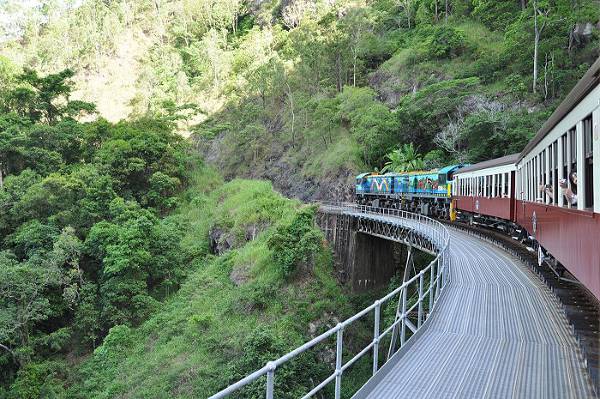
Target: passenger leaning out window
{"type": "Point", "coordinates": [546, 188]}
{"type": "Point", "coordinates": [570, 190]}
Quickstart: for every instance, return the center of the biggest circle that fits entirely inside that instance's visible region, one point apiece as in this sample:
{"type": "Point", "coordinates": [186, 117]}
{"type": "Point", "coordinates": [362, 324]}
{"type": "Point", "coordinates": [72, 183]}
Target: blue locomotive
{"type": "Point", "coordinates": [427, 192]}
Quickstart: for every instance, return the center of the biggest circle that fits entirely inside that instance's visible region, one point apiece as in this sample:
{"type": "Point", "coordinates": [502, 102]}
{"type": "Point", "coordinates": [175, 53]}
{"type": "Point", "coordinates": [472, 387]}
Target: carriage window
{"type": "Point", "coordinates": [485, 186]}
{"type": "Point", "coordinates": [540, 177]}
{"type": "Point", "coordinates": [526, 181]}
{"type": "Point", "coordinates": [496, 179]}
{"type": "Point", "coordinates": [555, 172]}
{"type": "Point", "coordinates": [564, 151]}
{"type": "Point", "coordinates": [549, 175]}
{"type": "Point", "coordinates": [573, 148]}
{"type": "Point", "coordinates": [588, 162]}
{"type": "Point", "coordinates": [498, 185]}
{"type": "Point", "coordinates": [532, 179]}
{"type": "Point", "coordinates": [565, 159]}
{"type": "Point", "coordinates": [542, 174]}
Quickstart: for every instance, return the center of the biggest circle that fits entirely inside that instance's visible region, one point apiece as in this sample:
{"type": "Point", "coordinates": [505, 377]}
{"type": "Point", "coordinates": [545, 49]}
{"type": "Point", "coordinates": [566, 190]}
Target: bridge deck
{"type": "Point", "coordinates": [497, 332]}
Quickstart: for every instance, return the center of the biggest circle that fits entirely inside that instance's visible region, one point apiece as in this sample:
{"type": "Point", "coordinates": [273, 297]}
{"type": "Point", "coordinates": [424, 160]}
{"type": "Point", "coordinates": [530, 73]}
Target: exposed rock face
{"type": "Point", "coordinates": [327, 321]}
{"type": "Point", "coordinates": [285, 177]}
{"type": "Point", "coordinates": [290, 183]}
{"type": "Point", "coordinates": [582, 34]}
{"type": "Point", "coordinates": [240, 275]}
{"type": "Point", "coordinates": [220, 240]}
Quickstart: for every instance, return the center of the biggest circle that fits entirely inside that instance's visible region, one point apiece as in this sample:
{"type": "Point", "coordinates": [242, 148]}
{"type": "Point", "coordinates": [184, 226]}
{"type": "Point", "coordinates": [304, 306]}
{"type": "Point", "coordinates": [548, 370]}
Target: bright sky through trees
{"type": "Point", "coordinates": [15, 13]}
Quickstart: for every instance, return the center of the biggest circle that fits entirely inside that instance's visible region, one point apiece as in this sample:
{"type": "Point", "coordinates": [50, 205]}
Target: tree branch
{"type": "Point", "coordinates": [6, 348]}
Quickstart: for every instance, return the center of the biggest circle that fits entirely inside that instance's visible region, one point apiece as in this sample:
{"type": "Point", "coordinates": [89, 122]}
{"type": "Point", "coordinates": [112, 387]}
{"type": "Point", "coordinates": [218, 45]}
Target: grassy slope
{"type": "Point", "coordinates": [191, 346]}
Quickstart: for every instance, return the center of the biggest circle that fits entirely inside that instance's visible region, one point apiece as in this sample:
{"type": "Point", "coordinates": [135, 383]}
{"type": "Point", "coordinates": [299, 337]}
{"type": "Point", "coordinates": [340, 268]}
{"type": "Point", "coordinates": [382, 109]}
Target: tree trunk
{"type": "Point", "coordinates": [552, 76]}
{"type": "Point", "coordinates": [535, 58]}
{"type": "Point", "coordinates": [1, 178]}
{"type": "Point", "coordinates": [536, 42]}
{"type": "Point", "coordinates": [538, 33]}
{"type": "Point", "coordinates": [446, 15]}
{"type": "Point", "coordinates": [354, 60]}
{"type": "Point", "coordinates": [407, 9]}
{"type": "Point", "coordinates": [571, 39]}
{"type": "Point", "coordinates": [291, 98]}
{"type": "Point", "coordinates": [546, 78]}
{"type": "Point", "coordinates": [523, 5]}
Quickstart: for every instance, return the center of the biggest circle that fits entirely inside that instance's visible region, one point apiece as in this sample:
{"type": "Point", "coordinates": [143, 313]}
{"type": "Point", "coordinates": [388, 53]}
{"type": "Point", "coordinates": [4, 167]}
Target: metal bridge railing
{"type": "Point", "coordinates": [438, 272]}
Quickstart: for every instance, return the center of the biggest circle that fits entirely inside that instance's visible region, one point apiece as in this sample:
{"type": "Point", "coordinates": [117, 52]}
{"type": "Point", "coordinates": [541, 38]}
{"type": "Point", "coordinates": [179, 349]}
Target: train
{"type": "Point", "coordinates": [426, 192]}
{"type": "Point", "coordinates": [547, 195]}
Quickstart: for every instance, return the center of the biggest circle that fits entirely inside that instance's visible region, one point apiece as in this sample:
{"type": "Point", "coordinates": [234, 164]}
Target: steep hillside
{"type": "Point", "coordinates": [129, 268]}
{"type": "Point", "coordinates": [236, 311]}
{"type": "Point", "coordinates": [305, 92]}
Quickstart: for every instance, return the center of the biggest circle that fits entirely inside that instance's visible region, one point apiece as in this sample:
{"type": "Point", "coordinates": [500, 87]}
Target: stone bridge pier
{"type": "Point", "coordinates": [362, 261]}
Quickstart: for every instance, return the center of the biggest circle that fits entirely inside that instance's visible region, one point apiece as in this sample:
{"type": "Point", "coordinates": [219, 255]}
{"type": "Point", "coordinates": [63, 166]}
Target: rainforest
{"type": "Point", "coordinates": [158, 161]}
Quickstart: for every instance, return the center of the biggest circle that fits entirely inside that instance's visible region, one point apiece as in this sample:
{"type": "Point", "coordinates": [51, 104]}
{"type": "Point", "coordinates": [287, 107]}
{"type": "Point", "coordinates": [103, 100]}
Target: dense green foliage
{"type": "Point", "coordinates": [295, 244]}
{"type": "Point", "coordinates": [107, 234]}
{"type": "Point", "coordinates": [84, 246]}
{"type": "Point", "coordinates": [404, 159]}
{"type": "Point", "coordinates": [107, 229]}
{"type": "Point", "coordinates": [454, 78]}
{"type": "Point", "coordinates": [235, 312]}
{"type": "Point", "coordinates": [330, 87]}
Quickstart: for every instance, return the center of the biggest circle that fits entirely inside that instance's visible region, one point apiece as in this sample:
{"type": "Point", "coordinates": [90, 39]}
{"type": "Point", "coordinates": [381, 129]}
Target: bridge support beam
{"type": "Point", "coordinates": [362, 261]}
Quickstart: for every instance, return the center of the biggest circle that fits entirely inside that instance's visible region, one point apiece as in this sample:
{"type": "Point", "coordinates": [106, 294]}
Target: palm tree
{"type": "Point", "coordinates": [404, 159]}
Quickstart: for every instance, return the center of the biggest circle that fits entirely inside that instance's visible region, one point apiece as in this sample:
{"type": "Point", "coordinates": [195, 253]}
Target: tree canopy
{"type": "Point", "coordinates": [85, 246]}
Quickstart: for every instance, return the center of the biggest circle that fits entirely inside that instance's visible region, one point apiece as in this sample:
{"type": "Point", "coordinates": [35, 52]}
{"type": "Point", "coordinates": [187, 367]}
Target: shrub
{"type": "Point", "coordinates": [38, 380]}
{"type": "Point", "coordinates": [296, 242]}
{"type": "Point", "coordinates": [294, 378]}
{"type": "Point", "coordinates": [443, 42]}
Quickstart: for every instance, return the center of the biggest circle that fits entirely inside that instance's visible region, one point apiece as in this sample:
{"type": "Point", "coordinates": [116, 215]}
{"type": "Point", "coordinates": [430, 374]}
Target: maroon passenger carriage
{"type": "Point", "coordinates": [552, 188]}
{"type": "Point", "coordinates": [487, 188]}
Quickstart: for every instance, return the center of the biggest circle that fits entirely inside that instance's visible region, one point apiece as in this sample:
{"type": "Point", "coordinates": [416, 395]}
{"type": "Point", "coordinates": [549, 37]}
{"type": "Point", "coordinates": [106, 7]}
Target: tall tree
{"type": "Point", "coordinates": [408, 6]}
{"type": "Point", "coordinates": [540, 18]}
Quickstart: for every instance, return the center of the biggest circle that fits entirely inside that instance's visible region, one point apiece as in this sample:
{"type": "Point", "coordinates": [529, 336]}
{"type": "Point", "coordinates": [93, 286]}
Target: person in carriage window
{"type": "Point", "coordinates": [548, 189]}
{"type": "Point", "coordinates": [569, 189]}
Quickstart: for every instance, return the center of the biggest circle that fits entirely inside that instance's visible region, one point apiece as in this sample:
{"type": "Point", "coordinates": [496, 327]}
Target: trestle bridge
{"type": "Point", "coordinates": [480, 325]}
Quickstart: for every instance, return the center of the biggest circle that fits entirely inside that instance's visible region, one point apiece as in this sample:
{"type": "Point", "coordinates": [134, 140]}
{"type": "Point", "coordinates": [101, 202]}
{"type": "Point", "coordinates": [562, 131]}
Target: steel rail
{"type": "Point", "coordinates": [439, 238]}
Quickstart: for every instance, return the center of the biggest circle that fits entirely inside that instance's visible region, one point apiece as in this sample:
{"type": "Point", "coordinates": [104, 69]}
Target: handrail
{"type": "Point", "coordinates": [439, 277]}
